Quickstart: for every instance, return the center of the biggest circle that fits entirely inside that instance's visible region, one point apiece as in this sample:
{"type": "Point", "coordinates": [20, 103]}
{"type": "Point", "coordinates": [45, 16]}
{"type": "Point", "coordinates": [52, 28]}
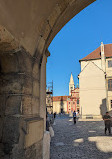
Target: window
{"type": "Point", "coordinates": [77, 101]}
{"type": "Point", "coordinates": [77, 95]}
{"type": "Point", "coordinates": [111, 103]}
{"type": "Point", "coordinates": [110, 63]}
{"type": "Point", "coordinates": [110, 84]}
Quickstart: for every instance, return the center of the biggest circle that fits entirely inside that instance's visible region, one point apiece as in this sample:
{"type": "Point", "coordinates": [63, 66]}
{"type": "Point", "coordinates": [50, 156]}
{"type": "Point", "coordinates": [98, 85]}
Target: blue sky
{"type": "Point", "coordinates": [79, 37]}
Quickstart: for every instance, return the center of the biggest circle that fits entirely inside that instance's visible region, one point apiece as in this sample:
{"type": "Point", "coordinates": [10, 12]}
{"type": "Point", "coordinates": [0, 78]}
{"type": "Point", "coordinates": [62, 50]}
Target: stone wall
{"type": "Point", "coordinates": [19, 106]}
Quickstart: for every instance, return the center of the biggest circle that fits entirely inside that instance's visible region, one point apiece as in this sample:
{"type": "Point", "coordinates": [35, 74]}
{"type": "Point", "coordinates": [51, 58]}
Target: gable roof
{"type": "Point", "coordinates": [96, 54]}
{"type": "Point", "coordinates": [87, 66]}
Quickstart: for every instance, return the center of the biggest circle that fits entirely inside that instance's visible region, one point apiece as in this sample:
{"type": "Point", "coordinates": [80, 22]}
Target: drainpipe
{"type": "Point", "coordinates": [103, 64]}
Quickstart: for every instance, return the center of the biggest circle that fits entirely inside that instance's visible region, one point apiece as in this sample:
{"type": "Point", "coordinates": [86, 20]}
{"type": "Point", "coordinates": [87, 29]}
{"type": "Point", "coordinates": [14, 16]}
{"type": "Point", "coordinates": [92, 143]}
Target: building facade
{"type": "Point", "coordinates": [67, 104]}
{"type": "Point", "coordinates": [73, 102]}
{"type": "Point", "coordinates": [95, 81]}
{"type": "Point", "coordinates": [60, 104]}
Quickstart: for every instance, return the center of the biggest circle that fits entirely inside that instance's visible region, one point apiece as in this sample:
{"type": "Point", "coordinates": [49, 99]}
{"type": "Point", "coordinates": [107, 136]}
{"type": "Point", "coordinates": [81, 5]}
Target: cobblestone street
{"type": "Point", "coordinates": [85, 140]}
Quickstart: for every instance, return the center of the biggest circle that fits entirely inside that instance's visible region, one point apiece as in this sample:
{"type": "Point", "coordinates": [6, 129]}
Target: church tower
{"type": "Point", "coordinates": [71, 84]}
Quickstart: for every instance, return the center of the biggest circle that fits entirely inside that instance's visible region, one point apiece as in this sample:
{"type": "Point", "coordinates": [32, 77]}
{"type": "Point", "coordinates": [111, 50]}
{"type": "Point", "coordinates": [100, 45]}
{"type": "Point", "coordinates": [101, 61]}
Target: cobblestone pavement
{"type": "Point", "coordinates": [85, 140]}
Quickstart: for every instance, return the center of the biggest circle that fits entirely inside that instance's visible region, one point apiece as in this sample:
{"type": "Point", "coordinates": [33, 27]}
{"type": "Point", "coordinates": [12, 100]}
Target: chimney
{"type": "Point", "coordinates": [103, 62]}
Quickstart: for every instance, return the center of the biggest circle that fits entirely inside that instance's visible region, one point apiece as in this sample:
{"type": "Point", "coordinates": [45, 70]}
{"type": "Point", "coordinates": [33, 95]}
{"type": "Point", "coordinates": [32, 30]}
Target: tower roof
{"type": "Point", "coordinates": [71, 79]}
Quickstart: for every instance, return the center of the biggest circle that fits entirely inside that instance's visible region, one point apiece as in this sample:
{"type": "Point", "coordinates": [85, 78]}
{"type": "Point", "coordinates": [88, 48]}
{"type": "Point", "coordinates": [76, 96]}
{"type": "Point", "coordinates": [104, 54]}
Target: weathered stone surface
{"type": "Point", "coordinates": [2, 105]}
{"type": "Point", "coordinates": [25, 61]}
{"type": "Point", "coordinates": [36, 70]}
{"type": "Point", "coordinates": [7, 41]}
{"type": "Point", "coordinates": [46, 31]}
{"type": "Point", "coordinates": [10, 133]}
{"type": "Point", "coordinates": [39, 148]}
{"type": "Point", "coordinates": [41, 45]}
{"type": "Point", "coordinates": [35, 105]}
{"type": "Point", "coordinates": [36, 88]}
{"type": "Point", "coordinates": [34, 151]}
{"type": "Point", "coordinates": [15, 83]}
{"type": "Point", "coordinates": [53, 17]}
{"type": "Point", "coordinates": [9, 63]}
{"type": "Point", "coordinates": [10, 83]}
{"type": "Point", "coordinates": [26, 105]}
{"type": "Point", "coordinates": [46, 145]}
{"type": "Point", "coordinates": [26, 84]}
{"type": "Point", "coordinates": [30, 152]}
{"type": "Point", "coordinates": [19, 96]}
{"type": "Point", "coordinates": [13, 105]}
{"type": "Point", "coordinates": [34, 132]}
{"type": "Point", "coordinates": [42, 108]}
{"type": "Point", "coordinates": [1, 127]}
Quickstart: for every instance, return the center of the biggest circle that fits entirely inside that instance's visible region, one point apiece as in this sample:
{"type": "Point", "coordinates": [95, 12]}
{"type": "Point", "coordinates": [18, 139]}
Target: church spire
{"type": "Point", "coordinates": [71, 79]}
{"type": "Point", "coordinates": [71, 84]}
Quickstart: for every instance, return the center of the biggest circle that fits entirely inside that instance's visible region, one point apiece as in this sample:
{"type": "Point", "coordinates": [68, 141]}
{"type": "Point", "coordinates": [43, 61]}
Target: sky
{"type": "Point", "coordinates": [79, 37]}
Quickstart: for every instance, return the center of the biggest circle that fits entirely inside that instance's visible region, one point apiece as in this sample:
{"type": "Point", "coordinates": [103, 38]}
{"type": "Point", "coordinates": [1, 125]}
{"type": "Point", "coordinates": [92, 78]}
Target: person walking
{"type": "Point", "coordinates": [54, 115]}
{"type": "Point", "coordinates": [74, 117]}
{"type": "Point", "coordinates": [107, 121]}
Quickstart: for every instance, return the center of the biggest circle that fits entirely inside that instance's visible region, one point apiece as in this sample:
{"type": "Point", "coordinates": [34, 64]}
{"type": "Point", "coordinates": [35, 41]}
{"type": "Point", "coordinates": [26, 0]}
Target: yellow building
{"type": "Point", "coordinates": [60, 104]}
{"type": "Point", "coordinates": [95, 82]}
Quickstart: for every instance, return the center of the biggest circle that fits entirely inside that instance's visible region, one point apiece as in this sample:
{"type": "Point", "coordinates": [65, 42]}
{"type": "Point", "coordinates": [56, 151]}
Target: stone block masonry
{"type": "Point", "coordinates": [21, 130]}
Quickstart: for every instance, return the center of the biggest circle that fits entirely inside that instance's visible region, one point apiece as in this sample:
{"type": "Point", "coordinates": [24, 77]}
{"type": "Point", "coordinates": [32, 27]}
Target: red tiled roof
{"type": "Point", "coordinates": [96, 54]}
{"type": "Point", "coordinates": [60, 98]}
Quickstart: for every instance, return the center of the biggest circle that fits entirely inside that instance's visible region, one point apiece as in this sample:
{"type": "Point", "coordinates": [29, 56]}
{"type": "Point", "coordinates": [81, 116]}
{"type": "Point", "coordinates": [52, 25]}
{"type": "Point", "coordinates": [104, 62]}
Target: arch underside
{"type": "Point", "coordinates": [35, 23]}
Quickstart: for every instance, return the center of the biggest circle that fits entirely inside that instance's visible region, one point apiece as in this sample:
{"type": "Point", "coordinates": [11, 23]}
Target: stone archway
{"type": "Point", "coordinates": [20, 119]}
{"type": "Point", "coordinates": [31, 27]}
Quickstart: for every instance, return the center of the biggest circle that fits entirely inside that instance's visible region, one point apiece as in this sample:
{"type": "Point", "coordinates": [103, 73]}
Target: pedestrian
{"type": "Point", "coordinates": [74, 117]}
{"type": "Point", "coordinates": [54, 115]}
{"type": "Point", "coordinates": [107, 121]}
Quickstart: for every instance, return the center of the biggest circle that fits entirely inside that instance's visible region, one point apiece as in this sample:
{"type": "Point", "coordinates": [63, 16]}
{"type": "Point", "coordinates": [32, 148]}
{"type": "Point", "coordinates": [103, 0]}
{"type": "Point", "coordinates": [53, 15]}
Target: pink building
{"type": "Point", "coordinates": [73, 102]}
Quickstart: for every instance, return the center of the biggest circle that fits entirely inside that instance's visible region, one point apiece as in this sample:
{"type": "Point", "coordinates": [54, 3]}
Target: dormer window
{"type": "Point", "coordinates": [110, 63]}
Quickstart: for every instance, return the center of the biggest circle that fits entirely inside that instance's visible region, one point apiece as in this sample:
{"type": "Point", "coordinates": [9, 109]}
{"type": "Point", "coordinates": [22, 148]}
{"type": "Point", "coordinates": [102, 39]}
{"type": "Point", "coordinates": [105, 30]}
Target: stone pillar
{"type": "Point", "coordinates": [46, 138]}
{"type": "Point", "coordinates": [43, 87]}
{"type": "Point", "coordinates": [21, 128]}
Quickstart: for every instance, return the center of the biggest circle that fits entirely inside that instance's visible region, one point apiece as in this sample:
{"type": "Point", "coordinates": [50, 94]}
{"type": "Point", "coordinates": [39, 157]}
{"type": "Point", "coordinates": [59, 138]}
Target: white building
{"type": "Point", "coordinates": [95, 82]}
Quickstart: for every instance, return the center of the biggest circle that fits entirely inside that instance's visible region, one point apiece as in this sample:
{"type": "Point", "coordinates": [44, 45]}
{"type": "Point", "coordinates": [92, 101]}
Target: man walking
{"type": "Point", "coordinates": [74, 117]}
{"type": "Point", "coordinates": [107, 120]}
